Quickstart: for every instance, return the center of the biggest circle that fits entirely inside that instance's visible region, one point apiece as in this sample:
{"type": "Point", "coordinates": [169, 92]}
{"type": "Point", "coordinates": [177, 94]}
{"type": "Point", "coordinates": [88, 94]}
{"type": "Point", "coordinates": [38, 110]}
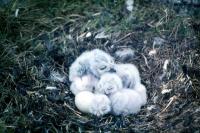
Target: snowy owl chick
{"type": "Point", "coordinates": [109, 83]}
{"type": "Point", "coordinates": [96, 104]}
{"type": "Point", "coordinates": [126, 102]}
{"type": "Point", "coordinates": [129, 74]}
{"type": "Point", "coordinates": [101, 105]}
{"type": "Point", "coordinates": [80, 66]}
{"type": "Point", "coordinates": [96, 62]}
{"type": "Point", "coordinates": [141, 89]}
{"type": "Point", "coordinates": [101, 62]}
{"type": "Point", "coordinates": [85, 83]}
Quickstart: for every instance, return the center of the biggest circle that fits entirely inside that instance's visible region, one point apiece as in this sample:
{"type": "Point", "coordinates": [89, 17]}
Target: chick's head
{"type": "Point", "coordinates": [101, 105]}
{"type": "Point", "coordinates": [77, 69]}
{"type": "Point", "coordinates": [101, 63]}
{"type": "Point", "coordinates": [108, 84]}
{"type": "Point", "coordinates": [85, 83]}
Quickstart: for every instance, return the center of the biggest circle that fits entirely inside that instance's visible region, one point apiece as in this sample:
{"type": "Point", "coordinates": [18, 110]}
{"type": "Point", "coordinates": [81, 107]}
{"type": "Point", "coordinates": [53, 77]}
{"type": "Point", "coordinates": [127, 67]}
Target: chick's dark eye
{"type": "Point", "coordinates": [104, 108]}
{"type": "Point", "coordinates": [102, 67]}
{"type": "Point", "coordinates": [110, 88]}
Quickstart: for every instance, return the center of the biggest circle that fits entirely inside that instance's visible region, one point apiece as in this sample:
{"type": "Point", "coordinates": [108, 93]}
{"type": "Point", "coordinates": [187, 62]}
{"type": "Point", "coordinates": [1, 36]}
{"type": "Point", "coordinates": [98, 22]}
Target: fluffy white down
{"type": "Point", "coordinates": [80, 66]}
{"type": "Point", "coordinates": [91, 72]}
{"type": "Point", "coordinates": [96, 104]}
{"type": "Point", "coordinates": [126, 102]}
{"type": "Point", "coordinates": [101, 105]}
{"type": "Point", "coordinates": [96, 62]}
{"type": "Point", "coordinates": [84, 100]}
{"type": "Point", "coordinates": [129, 5]}
{"type": "Point", "coordinates": [109, 83]}
{"type": "Point", "coordinates": [85, 83]}
{"type": "Point", "coordinates": [101, 62]}
{"type": "Point", "coordinates": [141, 89]}
{"type": "Point", "coordinates": [129, 74]}
{"type": "Point", "coordinates": [124, 54]}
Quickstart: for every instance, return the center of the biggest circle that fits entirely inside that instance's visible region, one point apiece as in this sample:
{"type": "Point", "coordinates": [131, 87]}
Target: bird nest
{"type": "Point", "coordinates": [162, 40]}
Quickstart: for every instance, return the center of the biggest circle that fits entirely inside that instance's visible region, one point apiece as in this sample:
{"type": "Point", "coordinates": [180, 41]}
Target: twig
{"type": "Point", "coordinates": [170, 102]}
{"type": "Point", "coordinates": [146, 62]}
{"type": "Point", "coordinates": [127, 35]}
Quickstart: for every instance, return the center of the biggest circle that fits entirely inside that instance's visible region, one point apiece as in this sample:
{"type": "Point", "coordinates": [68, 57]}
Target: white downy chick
{"type": "Point", "coordinates": [109, 83]}
{"type": "Point", "coordinates": [101, 105]}
{"type": "Point", "coordinates": [96, 104]}
{"type": "Point", "coordinates": [126, 102]}
{"type": "Point", "coordinates": [96, 62]}
{"type": "Point", "coordinates": [141, 89]}
{"type": "Point", "coordinates": [80, 66]}
{"type": "Point", "coordinates": [129, 74]}
{"type": "Point", "coordinates": [85, 83]}
{"type": "Point", "coordinates": [101, 62]}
